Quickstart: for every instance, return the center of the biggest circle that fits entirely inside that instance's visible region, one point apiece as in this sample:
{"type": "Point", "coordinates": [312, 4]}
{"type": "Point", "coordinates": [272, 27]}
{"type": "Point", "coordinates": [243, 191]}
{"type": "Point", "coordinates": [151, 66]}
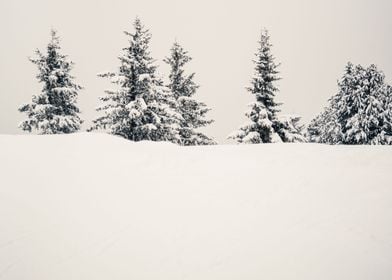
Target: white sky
{"type": "Point", "coordinates": [312, 39]}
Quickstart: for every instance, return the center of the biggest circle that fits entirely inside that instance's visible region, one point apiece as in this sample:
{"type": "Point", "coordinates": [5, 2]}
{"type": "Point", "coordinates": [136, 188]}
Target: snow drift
{"type": "Point", "coordinates": [92, 206]}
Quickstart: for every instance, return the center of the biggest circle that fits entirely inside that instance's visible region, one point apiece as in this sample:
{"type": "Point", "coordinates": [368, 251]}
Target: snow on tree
{"type": "Point", "coordinates": [385, 137]}
{"type": "Point", "coordinates": [324, 128]}
{"type": "Point", "coordinates": [314, 131]}
{"type": "Point", "coordinates": [291, 129]}
{"type": "Point", "coordinates": [183, 87]}
{"type": "Point", "coordinates": [360, 113]}
{"type": "Point", "coordinates": [141, 107]}
{"type": "Point", "coordinates": [366, 106]}
{"type": "Point", "coordinates": [263, 124]}
{"type": "Point", "coordinates": [54, 109]}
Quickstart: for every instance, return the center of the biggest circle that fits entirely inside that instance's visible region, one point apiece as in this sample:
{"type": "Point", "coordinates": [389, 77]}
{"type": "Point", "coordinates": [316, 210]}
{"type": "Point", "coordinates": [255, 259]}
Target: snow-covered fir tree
{"type": "Point", "coordinates": [291, 129]}
{"type": "Point", "coordinates": [385, 137]}
{"type": "Point", "coordinates": [314, 132]}
{"type": "Point", "coordinates": [360, 113]}
{"type": "Point", "coordinates": [324, 128]}
{"type": "Point", "coordinates": [264, 125]}
{"type": "Point", "coordinates": [361, 108]}
{"type": "Point", "coordinates": [141, 107]}
{"type": "Point", "coordinates": [54, 109]}
{"type": "Point", "coordinates": [183, 87]}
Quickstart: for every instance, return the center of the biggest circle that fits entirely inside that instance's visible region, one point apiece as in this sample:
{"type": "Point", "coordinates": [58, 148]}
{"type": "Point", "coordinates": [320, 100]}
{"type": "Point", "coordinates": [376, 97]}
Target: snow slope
{"type": "Point", "coordinates": [92, 206]}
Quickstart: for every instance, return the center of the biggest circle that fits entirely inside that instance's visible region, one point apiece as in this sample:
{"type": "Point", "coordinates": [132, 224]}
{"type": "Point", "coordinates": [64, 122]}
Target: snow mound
{"type": "Point", "coordinates": [92, 206]}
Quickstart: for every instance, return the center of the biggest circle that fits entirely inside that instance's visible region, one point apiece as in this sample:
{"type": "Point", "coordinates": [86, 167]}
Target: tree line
{"type": "Point", "coordinates": [142, 106]}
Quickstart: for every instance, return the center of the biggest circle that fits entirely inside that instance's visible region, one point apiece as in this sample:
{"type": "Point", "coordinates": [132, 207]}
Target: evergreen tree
{"type": "Point", "coordinates": [53, 110]}
{"type": "Point", "coordinates": [324, 128]}
{"type": "Point", "coordinates": [385, 137]}
{"type": "Point", "coordinates": [360, 113]}
{"type": "Point", "coordinates": [314, 130]}
{"type": "Point", "coordinates": [141, 107]}
{"type": "Point", "coordinates": [183, 87]}
{"type": "Point", "coordinates": [263, 125]}
{"type": "Point", "coordinates": [364, 107]}
{"type": "Point", "coordinates": [291, 130]}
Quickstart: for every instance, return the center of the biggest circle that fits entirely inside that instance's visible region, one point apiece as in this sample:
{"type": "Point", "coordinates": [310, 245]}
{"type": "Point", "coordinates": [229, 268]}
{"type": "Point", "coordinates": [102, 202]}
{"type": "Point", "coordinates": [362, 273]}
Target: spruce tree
{"type": "Point", "coordinates": [385, 137]}
{"type": "Point", "coordinates": [183, 87]}
{"type": "Point", "coordinates": [364, 118]}
{"type": "Point", "coordinates": [324, 128]}
{"type": "Point", "coordinates": [314, 131]}
{"type": "Point", "coordinates": [291, 130]}
{"type": "Point", "coordinates": [141, 107]}
{"type": "Point", "coordinates": [54, 109]}
{"type": "Point", "coordinates": [360, 113]}
{"type": "Point", "coordinates": [263, 125]}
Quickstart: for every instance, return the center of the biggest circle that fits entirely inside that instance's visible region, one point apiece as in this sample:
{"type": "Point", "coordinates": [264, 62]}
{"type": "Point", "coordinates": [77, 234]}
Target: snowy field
{"type": "Point", "coordinates": [96, 207]}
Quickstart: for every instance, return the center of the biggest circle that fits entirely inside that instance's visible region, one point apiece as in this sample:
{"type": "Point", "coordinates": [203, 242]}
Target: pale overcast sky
{"type": "Point", "coordinates": [312, 39]}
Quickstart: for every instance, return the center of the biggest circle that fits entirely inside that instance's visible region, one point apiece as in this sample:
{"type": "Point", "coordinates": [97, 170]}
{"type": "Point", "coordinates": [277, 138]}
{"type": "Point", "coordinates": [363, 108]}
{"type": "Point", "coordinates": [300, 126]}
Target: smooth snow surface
{"type": "Point", "coordinates": [97, 207]}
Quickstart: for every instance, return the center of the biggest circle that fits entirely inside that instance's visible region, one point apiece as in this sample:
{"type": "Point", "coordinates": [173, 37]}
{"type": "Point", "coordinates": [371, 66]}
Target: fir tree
{"type": "Point", "coordinates": [364, 107]}
{"type": "Point", "coordinates": [314, 130]}
{"type": "Point", "coordinates": [291, 130]}
{"type": "Point", "coordinates": [54, 109]}
{"type": "Point", "coordinates": [385, 137]}
{"type": "Point", "coordinates": [141, 107]}
{"type": "Point", "coordinates": [360, 113]}
{"type": "Point", "coordinates": [183, 87]}
{"type": "Point", "coordinates": [324, 128]}
{"type": "Point", "coordinates": [263, 125]}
